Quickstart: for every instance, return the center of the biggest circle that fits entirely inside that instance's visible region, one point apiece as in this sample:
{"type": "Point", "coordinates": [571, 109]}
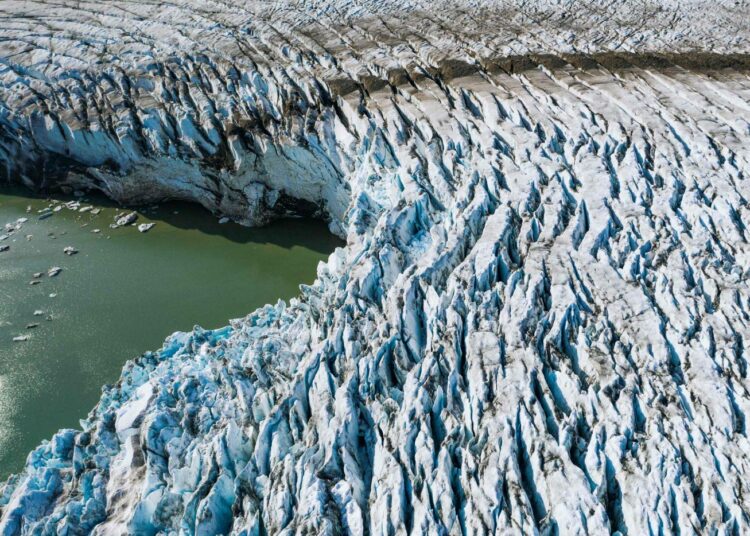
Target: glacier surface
{"type": "Point", "coordinates": [541, 318]}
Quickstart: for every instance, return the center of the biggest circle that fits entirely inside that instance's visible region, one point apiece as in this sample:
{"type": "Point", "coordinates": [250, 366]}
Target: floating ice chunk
{"type": "Point", "coordinates": [52, 272]}
{"type": "Point", "coordinates": [21, 338]}
{"type": "Point", "coordinates": [70, 250]}
{"type": "Point", "coordinates": [145, 227]}
{"type": "Point", "coordinates": [127, 219]}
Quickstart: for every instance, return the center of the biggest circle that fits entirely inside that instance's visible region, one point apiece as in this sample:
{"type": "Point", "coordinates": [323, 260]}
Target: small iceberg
{"type": "Point", "coordinates": [127, 219]}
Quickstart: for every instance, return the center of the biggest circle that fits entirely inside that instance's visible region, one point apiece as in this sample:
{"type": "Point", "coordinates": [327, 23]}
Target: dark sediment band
{"type": "Point", "coordinates": [451, 69]}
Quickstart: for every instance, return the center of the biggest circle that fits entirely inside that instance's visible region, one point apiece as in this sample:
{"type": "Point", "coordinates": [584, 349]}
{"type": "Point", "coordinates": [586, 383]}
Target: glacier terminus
{"type": "Point", "coordinates": [540, 321]}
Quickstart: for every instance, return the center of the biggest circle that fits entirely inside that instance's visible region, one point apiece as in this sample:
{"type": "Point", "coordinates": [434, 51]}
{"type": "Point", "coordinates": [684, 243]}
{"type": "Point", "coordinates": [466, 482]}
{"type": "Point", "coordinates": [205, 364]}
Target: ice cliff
{"type": "Point", "coordinates": [540, 322]}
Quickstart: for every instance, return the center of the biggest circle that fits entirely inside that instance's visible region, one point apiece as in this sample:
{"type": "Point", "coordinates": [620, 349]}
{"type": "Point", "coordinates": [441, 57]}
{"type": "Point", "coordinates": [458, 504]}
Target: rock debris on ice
{"type": "Point", "coordinates": [540, 322]}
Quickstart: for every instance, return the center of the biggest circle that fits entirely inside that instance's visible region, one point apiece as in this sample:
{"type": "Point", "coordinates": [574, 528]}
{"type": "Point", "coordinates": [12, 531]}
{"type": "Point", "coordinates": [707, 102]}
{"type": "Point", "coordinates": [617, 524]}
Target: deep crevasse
{"type": "Point", "coordinates": [540, 320]}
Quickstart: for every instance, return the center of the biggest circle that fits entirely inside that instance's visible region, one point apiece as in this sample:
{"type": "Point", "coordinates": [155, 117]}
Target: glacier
{"type": "Point", "coordinates": [539, 323]}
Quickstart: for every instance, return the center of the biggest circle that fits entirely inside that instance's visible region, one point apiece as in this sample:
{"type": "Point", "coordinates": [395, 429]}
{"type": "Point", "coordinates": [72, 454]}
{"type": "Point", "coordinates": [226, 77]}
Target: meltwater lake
{"type": "Point", "coordinates": [64, 336]}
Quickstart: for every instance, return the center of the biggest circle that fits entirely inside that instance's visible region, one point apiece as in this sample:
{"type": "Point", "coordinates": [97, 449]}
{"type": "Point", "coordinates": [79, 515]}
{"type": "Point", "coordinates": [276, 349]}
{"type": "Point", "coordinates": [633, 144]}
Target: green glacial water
{"type": "Point", "coordinates": [121, 295]}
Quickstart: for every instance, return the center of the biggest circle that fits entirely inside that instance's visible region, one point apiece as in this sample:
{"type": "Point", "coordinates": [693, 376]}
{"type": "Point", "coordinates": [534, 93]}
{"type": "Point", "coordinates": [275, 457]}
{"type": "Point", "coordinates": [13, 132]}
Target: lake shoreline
{"type": "Point", "coordinates": [133, 275]}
